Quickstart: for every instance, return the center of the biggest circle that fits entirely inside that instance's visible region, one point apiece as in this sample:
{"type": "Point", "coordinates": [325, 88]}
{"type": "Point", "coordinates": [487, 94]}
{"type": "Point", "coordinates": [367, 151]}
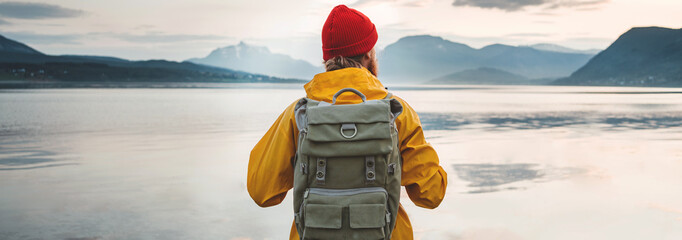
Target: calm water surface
{"type": "Point", "coordinates": [523, 162]}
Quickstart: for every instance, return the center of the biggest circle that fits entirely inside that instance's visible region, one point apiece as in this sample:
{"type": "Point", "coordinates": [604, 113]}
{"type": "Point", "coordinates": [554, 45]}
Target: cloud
{"type": "Point", "coordinates": [44, 39]}
{"type": "Point", "coordinates": [144, 27]}
{"type": "Point", "coordinates": [36, 11]}
{"type": "Point", "coordinates": [581, 4]}
{"type": "Point", "coordinates": [417, 3]}
{"type": "Point", "coordinates": [404, 3]}
{"type": "Point", "coordinates": [3, 22]}
{"type": "Point", "coordinates": [78, 38]}
{"type": "Point", "coordinates": [368, 3]}
{"type": "Point", "coordinates": [528, 35]}
{"type": "Point", "coordinates": [516, 5]}
{"type": "Point", "coordinates": [165, 38]}
{"type": "Point", "coordinates": [508, 5]}
{"type": "Point", "coordinates": [544, 14]}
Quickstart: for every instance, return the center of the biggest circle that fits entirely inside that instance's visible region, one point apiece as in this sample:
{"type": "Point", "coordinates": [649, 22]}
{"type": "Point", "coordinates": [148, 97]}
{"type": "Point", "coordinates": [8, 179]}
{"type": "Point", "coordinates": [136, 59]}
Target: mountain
{"type": "Point", "coordinates": [10, 46]}
{"type": "Point", "coordinates": [423, 57]}
{"type": "Point", "coordinates": [20, 62]}
{"type": "Point", "coordinates": [557, 48]}
{"type": "Point", "coordinates": [256, 59]}
{"type": "Point", "coordinates": [483, 76]}
{"type": "Point", "coordinates": [643, 56]}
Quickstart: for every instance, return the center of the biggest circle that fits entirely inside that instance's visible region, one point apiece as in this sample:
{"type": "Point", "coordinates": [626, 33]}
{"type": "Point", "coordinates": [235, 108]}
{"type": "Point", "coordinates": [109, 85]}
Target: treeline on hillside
{"type": "Point", "coordinates": [98, 72]}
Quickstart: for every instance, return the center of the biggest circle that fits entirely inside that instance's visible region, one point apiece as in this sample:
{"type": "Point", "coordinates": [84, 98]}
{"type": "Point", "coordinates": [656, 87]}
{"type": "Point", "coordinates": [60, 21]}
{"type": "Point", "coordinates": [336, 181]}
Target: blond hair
{"type": "Point", "coordinates": [341, 62]}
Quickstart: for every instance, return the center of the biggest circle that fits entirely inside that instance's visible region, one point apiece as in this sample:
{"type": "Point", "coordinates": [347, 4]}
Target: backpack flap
{"type": "Point", "coordinates": [368, 220]}
{"type": "Point", "coordinates": [348, 130]}
{"type": "Point", "coordinates": [323, 216]}
{"type": "Point", "coordinates": [367, 215]}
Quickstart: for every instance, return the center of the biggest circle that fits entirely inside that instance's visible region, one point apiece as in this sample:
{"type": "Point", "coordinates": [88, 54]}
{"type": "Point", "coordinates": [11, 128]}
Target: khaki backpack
{"type": "Point", "coordinates": [347, 168]}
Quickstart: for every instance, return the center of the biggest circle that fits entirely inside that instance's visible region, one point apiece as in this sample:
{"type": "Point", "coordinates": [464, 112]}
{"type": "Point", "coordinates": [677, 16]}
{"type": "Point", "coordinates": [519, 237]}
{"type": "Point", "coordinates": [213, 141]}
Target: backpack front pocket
{"type": "Point", "coordinates": [368, 220]}
{"type": "Point", "coordinates": [367, 215]}
{"type": "Point", "coordinates": [359, 213]}
{"type": "Point", "coordinates": [323, 216]}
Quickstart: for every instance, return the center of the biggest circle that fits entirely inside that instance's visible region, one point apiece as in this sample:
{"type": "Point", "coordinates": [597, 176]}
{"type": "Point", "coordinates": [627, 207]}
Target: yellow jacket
{"type": "Point", "coordinates": [271, 175]}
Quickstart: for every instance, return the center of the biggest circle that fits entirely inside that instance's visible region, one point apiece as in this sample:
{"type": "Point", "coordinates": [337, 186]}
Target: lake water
{"type": "Point", "coordinates": [523, 162]}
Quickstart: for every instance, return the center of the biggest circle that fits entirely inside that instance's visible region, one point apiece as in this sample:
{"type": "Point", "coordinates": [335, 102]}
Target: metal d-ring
{"type": "Point", "coordinates": [349, 126]}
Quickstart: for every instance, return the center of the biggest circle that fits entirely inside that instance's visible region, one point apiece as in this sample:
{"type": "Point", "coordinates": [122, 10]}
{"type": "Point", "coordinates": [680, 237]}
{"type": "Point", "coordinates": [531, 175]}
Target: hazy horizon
{"type": "Point", "coordinates": [178, 30]}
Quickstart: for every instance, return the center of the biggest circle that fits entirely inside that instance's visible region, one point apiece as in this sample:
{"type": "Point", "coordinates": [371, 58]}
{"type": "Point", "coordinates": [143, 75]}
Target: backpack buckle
{"type": "Point", "coordinates": [391, 168]}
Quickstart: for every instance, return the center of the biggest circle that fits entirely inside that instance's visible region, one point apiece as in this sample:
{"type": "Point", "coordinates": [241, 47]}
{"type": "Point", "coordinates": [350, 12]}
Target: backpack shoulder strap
{"type": "Point", "coordinates": [300, 119]}
{"type": "Point", "coordinates": [389, 95]}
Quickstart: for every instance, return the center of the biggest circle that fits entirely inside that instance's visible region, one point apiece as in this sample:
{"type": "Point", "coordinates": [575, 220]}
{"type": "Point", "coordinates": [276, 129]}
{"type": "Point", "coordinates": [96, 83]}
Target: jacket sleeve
{"type": "Point", "coordinates": [423, 177]}
{"type": "Point", "coordinates": [270, 173]}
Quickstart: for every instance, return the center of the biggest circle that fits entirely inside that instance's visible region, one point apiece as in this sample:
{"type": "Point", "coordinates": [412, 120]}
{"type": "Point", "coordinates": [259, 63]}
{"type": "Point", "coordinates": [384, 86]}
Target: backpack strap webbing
{"type": "Point", "coordinates": [389, 95]}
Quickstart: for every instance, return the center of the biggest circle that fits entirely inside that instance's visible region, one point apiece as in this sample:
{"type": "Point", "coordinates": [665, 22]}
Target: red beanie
{"type": "Point", "coordinates": [347, 32]}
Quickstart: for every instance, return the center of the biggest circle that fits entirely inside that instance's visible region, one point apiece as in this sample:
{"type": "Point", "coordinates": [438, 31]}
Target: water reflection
{"type": "Point", "coordinates": [643, 122]}
{"type": "Point", "coordinates": [23, 158]}
{"type": "Point", "coordinates": [171, 163]}
{"type": "Point", "coordinates": [484, 178]}
{"type": "Point", "coordinates": [542, 120]}
{"type": "Point", "coordinates": [84, 238]}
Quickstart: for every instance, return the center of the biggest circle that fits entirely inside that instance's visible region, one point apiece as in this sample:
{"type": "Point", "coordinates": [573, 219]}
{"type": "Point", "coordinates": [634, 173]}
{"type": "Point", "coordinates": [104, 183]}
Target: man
{"type": "Point", "coordinates": [348, 39]}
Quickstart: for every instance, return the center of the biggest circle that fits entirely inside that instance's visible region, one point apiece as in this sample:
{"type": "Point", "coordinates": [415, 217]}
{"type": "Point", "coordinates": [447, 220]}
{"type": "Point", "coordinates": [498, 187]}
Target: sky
{"type": "Point", "coordinates": [178, 30]}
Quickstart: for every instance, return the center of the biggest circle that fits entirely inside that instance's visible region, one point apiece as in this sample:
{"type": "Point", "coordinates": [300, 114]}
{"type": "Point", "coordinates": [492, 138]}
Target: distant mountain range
{"type": "Point", "coordinates": [487, 76]}
{"type": "Point", "coordinates": [557, 48]}
{"type": "Point", "coordinates": [257, 59]}
{"type": "Point", "coordinates": [649, 56]}
{"type": "Point", "coordinates": [421, 58]}
{"type": "Point", "coordinates": [21, 62]}
{"type": "Point", "coordinates": [645, 56]}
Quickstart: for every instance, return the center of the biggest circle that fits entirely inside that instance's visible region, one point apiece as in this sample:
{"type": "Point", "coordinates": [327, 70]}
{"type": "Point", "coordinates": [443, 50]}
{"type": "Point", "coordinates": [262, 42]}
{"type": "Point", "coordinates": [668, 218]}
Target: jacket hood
{"type": "Point", "coordinates": [326, 84]}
